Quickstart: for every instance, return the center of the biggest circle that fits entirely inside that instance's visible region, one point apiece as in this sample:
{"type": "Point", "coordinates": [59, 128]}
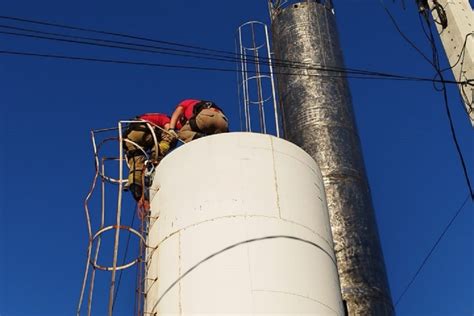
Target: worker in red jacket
{"type": "Point", "coordinates": [198, 118]}
{"type": "Point", "coordinates": [141, 135]}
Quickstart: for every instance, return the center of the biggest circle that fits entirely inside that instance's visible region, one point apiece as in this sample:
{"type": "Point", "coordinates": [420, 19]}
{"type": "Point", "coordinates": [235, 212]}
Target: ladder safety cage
{"type": "Point", "coordinates": [101, 137]}
{"type": "Point", "coordinates": [256, 83]}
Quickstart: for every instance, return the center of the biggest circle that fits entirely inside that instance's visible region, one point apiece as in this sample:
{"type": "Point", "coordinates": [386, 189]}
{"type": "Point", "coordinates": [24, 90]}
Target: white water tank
{"type": "Point", "coordinates": [240, 226]}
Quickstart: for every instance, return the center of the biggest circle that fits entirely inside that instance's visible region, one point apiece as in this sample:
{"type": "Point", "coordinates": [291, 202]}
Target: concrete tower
{"type": "Point", "coordinates": [318, 117]}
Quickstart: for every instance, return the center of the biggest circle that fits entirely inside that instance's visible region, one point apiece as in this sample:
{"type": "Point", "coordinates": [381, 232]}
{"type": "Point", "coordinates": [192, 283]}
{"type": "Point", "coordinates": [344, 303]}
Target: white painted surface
{"type": "Point", "coordinates": [458, 48]}
{"type": "Point", "coordinates": [224, 189]}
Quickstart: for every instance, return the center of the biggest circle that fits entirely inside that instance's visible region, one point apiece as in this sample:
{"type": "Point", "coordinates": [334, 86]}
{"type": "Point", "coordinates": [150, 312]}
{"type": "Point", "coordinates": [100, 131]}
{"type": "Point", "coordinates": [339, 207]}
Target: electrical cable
{"type": "Point", "coordinates": [462, 93]}
{"type": "Point", "coordinates": [76, 39]}
{"type": "Point", "coordinates": [375, 74]}
{"type": "Point", "coordinates": [456, 143]}
{"type": "Point", "coordinates": [448, 111]}
{"type": "Point", "coordinates": [443, 19]}
{"type": "Point", "coordinates": [461, 54]}
{"type": "Point", "coordinates": [394, 22]}
{"type": "Point", "coordinates": [425, 260]}
{"type": "Point", "coordinates": [231, 55]}
{"type": "Point", "coordinates": [435, 62]}
{"type": "Point", "coordinates": [45, 23]}
{"type": "Point", "coordinates": [178, 66]}
{"type": "Point", "coordinates": [436, 66]}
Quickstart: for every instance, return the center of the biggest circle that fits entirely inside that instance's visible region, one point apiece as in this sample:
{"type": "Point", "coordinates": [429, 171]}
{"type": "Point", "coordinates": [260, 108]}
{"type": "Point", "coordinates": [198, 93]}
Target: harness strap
{"type": "Point", "coordinates": [193, 124]}
{"type": "Point", "coordinates": [134, 153]}
{"type": "Point", "coordinates": [139, 127]}
{"type": "Point", "coordinates": [204, 105]}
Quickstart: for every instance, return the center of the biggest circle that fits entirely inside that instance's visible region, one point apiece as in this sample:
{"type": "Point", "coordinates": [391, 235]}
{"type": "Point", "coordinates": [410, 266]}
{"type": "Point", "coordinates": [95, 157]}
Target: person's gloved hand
{"type": "Point", "coordinates": [173, 133]}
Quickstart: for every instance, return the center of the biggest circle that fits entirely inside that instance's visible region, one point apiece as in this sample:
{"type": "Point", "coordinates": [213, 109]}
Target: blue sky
{"type": "Point", "coordinates": [49, 106]}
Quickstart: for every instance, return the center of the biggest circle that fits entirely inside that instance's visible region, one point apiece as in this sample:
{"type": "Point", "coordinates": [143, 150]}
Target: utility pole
{"type": "Point", "coordinates": [454, 21]}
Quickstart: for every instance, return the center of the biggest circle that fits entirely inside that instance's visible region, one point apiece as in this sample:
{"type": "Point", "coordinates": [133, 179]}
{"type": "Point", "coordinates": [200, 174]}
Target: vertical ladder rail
{"type": "Point", "coordinates": [258, 77]}
{"type": "Point", "coordinates": [89, 228]}
{"type": "Point", "coordinates": [272, 80]}
{"type": "Point", "coordinates": [118, 219]}
{"type": "Point", "coordinates": [255, 68]}
{"type": "Point", "coordinates": [96, 256]}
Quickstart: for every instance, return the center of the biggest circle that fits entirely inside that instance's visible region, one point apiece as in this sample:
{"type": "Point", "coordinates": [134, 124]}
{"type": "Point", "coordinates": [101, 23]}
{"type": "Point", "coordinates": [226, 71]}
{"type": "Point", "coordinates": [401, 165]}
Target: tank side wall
{"type": "Point", "coordinates": [246, 214]}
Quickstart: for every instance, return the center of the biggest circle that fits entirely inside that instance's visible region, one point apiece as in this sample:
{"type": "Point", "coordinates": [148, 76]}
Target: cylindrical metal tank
{"type": "Point", "coordinates": [318, 117]}
{"type": "Point", "coordinates": [239, 225]}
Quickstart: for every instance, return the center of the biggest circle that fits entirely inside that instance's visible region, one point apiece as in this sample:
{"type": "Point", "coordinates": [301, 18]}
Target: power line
{"type": "Point", "coordinates": [193, 47]}
{"type": "Point", "coordinates": [462, 93]}
{"type": "Point", "coordinates": [446, 104]}
{"type": "Point", "coordinates": [461, 54]}
{"type": "Point", "coordinates": [45, 23]}
{"type": "Point", "coordinates": [178, 66]}
{"type": "Point", "coordinates": [138, 63]}
{"type": "Point", "coordinates": [456, 143]}
{"type": "Point", "coordinates": [220, 52]}
{"type": "Point", "coordinates": [148, 48]}
{"type": "Point", "coordinates": [439, 72]}
{"type": "Point", "coordinates": [373, 76]}
{"type": "Point", "coordinates": [436, 65]}
{"type": "Point", "coordinates": [425, 260]}
{"type": "Point", "coordinates": [177, 52]}
{"type": "Point", "coordinates": [402, 34]}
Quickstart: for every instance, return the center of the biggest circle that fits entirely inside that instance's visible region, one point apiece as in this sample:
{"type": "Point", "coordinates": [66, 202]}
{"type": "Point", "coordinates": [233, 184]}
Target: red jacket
{"type": "Point", "coordinates": [156, 118]}
{"type": "Point", "coordinates": [188, 107]}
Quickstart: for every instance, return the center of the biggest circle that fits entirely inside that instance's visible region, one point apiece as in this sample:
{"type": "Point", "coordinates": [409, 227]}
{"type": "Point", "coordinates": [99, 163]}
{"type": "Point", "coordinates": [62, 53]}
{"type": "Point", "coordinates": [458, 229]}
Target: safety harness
{"type": "Point", "coordinates": [139, 127]}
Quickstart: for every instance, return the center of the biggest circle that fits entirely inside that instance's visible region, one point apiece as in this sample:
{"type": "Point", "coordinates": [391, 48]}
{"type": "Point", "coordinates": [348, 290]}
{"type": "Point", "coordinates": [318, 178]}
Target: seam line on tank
{"type": "Point", "coordinates": [299, 295]}
{"type": "Point", "coordinates": [275, 178]}
{"type": "Point", "coordinates": [240, 216]}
